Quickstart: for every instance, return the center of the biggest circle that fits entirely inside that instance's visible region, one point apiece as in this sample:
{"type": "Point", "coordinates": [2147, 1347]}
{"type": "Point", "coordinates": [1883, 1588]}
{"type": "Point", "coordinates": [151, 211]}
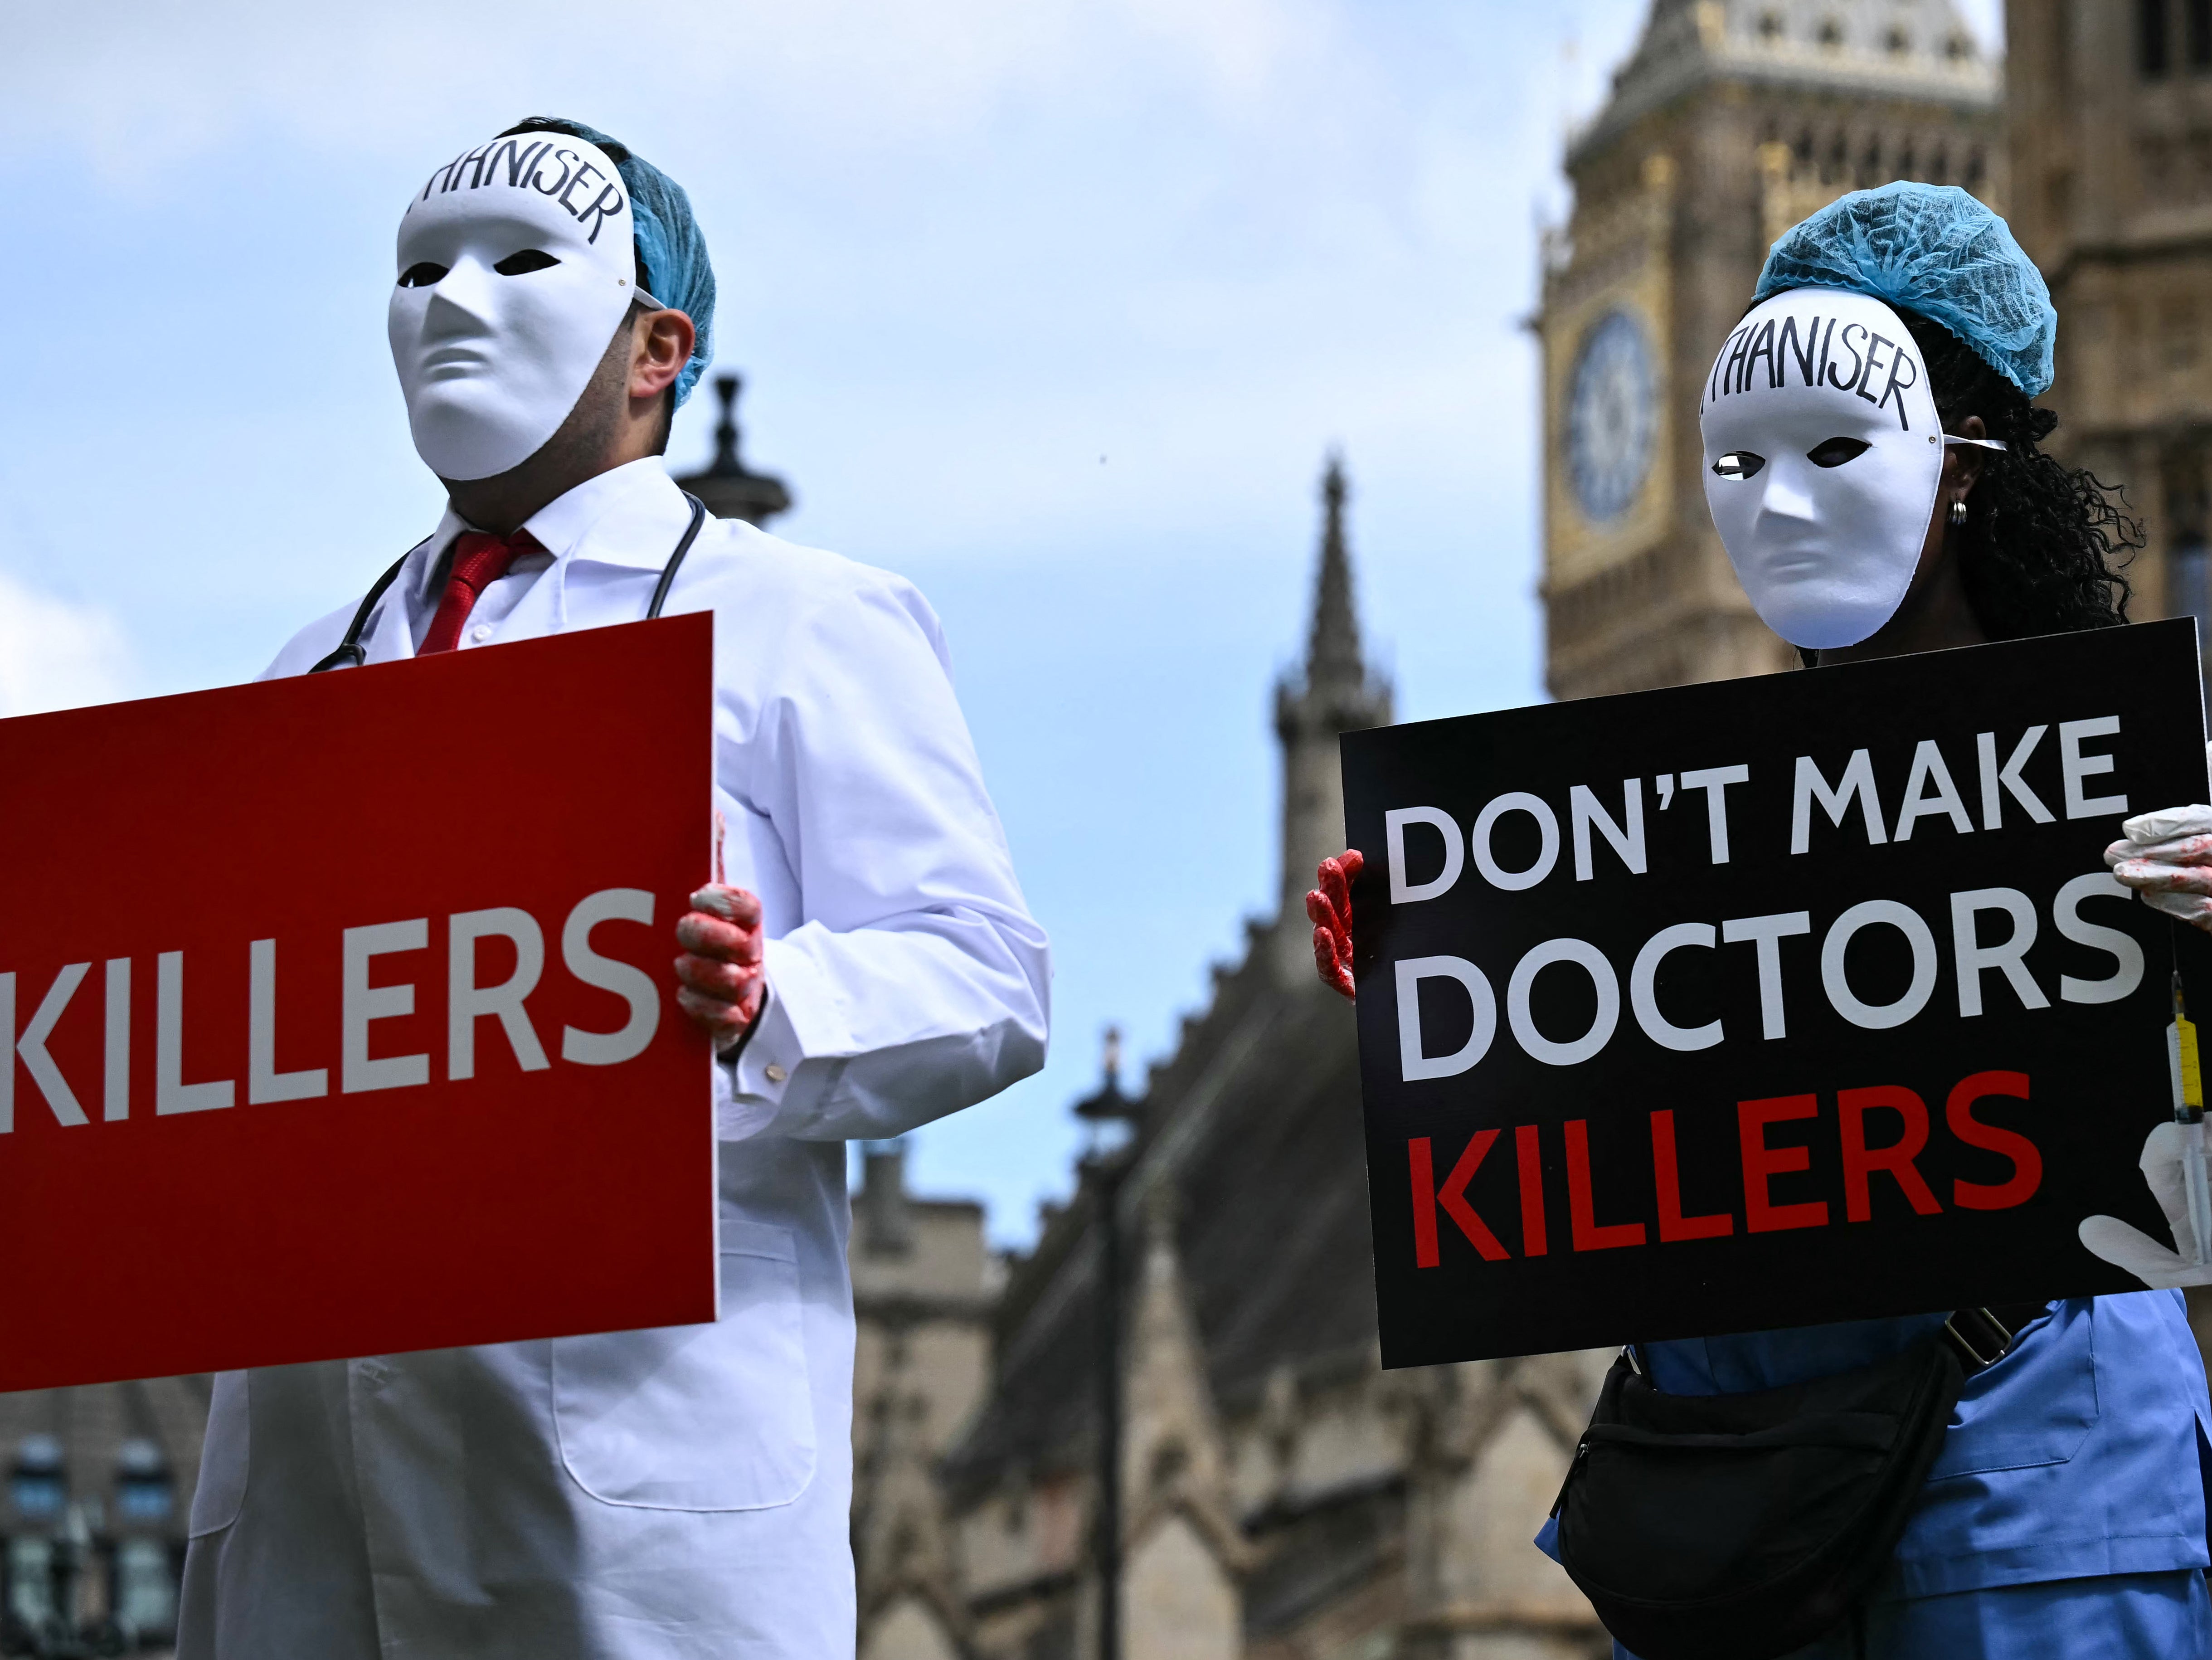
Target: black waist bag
{"type": "Point", "coordinates": [1740, 1527]}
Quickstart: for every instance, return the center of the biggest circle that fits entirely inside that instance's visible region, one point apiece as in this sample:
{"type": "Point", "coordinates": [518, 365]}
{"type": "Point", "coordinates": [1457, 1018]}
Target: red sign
{"type": "Point", "coordinates": [338, 1015]}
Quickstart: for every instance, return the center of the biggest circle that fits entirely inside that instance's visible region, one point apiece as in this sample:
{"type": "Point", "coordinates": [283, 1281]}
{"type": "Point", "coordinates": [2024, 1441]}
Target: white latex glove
{"type": "Point", "coordinates": [2168, 860]}
{"type": "Point", "coordinates": [2132, 1248]}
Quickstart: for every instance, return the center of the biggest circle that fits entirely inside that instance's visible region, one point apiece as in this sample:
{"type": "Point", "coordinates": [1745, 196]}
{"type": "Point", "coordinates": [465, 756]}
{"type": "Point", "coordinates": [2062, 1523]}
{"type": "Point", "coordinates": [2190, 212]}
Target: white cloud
{"type": "Point", "coordinates": [56, 654]}
{"type": "Point", "coordinates": [147, 87]}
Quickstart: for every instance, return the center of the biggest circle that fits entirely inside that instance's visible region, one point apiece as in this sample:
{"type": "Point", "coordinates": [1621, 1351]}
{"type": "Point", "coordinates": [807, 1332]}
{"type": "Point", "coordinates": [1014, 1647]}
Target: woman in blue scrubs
{"type": "Point", "coordinates": [2066, 1515]}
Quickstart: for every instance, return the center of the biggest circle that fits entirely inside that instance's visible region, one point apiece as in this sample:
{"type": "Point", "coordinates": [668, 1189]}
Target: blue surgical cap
{"type": "Point", "coordinates": [1936, 250]}
{"type": "Point", "coordinates": [672, 255]}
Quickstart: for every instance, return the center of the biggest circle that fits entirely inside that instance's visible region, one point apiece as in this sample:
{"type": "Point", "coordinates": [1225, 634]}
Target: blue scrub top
{"type": "Point", "coordinates": [2077, 1455]}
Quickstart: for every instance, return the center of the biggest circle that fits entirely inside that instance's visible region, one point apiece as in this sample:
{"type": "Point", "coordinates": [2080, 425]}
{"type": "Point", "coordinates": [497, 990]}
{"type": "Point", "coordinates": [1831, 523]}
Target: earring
{"type": "Point", "coordinates": [1959, 511]}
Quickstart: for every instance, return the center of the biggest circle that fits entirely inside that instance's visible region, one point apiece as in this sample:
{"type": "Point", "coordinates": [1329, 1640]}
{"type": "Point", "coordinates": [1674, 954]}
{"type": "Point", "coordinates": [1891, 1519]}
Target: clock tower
{"type": "Point", "coordinates": [1732, 120]}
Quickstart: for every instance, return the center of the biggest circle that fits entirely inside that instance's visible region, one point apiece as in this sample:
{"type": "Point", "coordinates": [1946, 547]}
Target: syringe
{"type": "Point", "coordinates": [2188, 1114]}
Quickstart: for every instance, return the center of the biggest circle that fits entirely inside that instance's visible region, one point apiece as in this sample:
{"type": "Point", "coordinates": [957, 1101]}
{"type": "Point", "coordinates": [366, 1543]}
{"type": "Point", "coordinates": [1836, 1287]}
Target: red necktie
{"type": "Point", "coordinates": [479, 560]}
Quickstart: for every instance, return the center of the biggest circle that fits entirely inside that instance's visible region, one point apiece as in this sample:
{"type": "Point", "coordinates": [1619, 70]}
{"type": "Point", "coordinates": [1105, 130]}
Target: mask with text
{"type": "Point", "coordinates": [516, 267]}
{"type": "Point", "coordinates": [1822, 459]}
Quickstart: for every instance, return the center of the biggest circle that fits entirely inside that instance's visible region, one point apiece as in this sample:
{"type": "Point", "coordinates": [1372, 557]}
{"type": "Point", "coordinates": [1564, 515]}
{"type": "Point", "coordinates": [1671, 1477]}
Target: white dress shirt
{"type": "Point", "coordinates": [680, 1491]}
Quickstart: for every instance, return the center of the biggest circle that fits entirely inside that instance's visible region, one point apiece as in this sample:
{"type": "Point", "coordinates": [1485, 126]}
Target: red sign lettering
{"type": "Point", "coordinates": [2027, 1161]}
{"type": "Point", "coordinates": [1672, 1224]}
{"type": "Point", "coordinates": [1762, 1163]}
{"type": "Point", "coordinates": [1860, 1160]}
{"type": "Point", "coordinates": [1582, 1209]}
{"type": "Point", "coordinates": [1532, 1190]}
{"type": "Point", "coordinates": [1452, 1196]}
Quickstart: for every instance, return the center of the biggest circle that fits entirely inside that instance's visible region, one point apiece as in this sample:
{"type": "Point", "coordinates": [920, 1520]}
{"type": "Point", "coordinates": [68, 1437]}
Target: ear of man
{"type": "Point", "coordinates": [660, 346]}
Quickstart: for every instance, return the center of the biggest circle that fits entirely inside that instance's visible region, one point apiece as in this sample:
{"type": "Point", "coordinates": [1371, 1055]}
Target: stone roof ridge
{"type": "Point", "coordinates": [1917, 48]}
{"type": "Point", "coordinates": [1061, 1262]}
{"type": "Point", "coordinates": [1179, 1131]}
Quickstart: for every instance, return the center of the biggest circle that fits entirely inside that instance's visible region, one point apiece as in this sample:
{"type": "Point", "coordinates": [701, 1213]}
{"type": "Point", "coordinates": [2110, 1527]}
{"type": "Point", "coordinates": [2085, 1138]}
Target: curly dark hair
{"type": "Point", "coordinates": [2042, 549]}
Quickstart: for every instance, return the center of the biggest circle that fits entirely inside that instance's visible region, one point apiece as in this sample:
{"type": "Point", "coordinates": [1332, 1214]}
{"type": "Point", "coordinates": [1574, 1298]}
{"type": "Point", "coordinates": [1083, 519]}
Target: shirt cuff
{"type": "Point", "coordinates": [766, 1074]}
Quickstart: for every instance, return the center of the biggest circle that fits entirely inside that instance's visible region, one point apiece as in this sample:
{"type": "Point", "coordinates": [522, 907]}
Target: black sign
{"type": "Point", "coordinates": [1767, 1002]}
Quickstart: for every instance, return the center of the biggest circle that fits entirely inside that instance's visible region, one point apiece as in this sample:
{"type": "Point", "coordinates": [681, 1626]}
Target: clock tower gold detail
{"type": "Point", "coordinates": [1609, 414]}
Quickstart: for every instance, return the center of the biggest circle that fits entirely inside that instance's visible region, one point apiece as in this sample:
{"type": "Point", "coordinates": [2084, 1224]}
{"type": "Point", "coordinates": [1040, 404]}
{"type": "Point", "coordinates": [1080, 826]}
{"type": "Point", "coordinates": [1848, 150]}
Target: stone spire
{"type": "Point", "coordinates": [1333, 657]}
{"type": "Point", "coordinates": [1338, 693]}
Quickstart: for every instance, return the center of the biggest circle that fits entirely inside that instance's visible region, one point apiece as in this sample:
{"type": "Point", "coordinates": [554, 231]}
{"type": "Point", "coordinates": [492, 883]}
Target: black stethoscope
{"type": "Point", "coordinates": [350, 654]}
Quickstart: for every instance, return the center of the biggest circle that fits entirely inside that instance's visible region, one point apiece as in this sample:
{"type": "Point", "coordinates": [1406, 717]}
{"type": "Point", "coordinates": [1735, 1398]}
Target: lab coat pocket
{"type": "Point", "coordinates": [220, 1492]}
{"type": "Point", "coordinates": [697, 1418]}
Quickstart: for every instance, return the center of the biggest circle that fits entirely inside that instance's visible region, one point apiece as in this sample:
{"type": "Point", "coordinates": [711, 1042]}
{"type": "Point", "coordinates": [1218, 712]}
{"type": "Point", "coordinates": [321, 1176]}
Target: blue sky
{"type": "Point", "coordinates": [1054, 306]}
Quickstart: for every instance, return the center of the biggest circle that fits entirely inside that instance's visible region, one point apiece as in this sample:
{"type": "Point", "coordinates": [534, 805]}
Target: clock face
{"type": "Point", "coordinates": [1610, 416]}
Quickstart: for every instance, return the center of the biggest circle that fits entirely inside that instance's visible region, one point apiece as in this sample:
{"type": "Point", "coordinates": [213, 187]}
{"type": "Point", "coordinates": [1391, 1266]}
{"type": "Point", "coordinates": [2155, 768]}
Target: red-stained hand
{"type": "Point", "coordinates": [1329, 905]}
{"type": "Point", "coordinates": [723, 981]}
{"type": "Point", "coordinates": [2166, 858]}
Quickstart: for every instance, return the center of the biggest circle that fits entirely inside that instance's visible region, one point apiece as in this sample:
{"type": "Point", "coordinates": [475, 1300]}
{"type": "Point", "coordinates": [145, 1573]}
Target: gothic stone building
{"type": "Point", "coordinates": [1732, 120]}
{"type": "Point", "coordinates": [1280, 1495]}
{"type": "Point", "coordinates": [99, 1487]}
{"type": "Point", "coordinates": [2111, 196]}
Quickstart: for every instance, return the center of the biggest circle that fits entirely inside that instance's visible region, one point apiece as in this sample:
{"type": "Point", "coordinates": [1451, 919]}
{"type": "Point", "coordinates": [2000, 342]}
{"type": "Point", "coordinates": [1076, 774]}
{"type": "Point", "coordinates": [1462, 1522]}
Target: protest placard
{"type": "Point", "coordinates": [336, 1015]}
{"type": "Point", "coordinates": [1767, 1002]}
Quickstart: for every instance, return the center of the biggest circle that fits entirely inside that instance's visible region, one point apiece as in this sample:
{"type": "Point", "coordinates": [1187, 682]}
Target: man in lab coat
{"type": "Point", "coordinates": [868, 965]}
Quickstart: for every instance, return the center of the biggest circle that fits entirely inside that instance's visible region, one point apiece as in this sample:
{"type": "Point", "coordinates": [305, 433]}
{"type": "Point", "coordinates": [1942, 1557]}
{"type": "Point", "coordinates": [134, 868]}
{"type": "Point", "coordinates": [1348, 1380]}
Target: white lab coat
{"type": "Point", "coordinates": [684, 1491]}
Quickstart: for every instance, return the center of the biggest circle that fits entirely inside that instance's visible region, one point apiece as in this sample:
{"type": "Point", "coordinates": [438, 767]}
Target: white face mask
{"type": "Point", "coordinates": [493, 343]}
{"type": "Point", "coordinates": [1822, 459]}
